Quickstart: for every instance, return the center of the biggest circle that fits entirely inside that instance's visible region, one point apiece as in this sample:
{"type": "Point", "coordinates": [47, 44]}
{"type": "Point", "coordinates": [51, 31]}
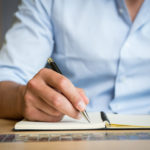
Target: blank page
{"type": "Point", "coordinates": [131, 120]}
{"type": "Point", "coordinates": [66, 124]}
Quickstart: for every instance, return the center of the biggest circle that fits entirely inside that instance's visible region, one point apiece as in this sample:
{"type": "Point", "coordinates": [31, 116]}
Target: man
{"type": "Point", "coordinates": [100, 46]}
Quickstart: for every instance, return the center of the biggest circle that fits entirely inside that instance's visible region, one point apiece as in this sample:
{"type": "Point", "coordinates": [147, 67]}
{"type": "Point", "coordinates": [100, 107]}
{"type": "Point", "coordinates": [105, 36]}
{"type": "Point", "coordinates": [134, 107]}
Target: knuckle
{"type": "Point", "coordinates": [81, 90]}
{"type": "Point", "coordinates": [32, 84]}
{"type": "Point", "coordinates": [42, 71]}
{"type": "Point", "coordinates": [56, 101]}
{"type": "Point", "coordinates": [63, 82]}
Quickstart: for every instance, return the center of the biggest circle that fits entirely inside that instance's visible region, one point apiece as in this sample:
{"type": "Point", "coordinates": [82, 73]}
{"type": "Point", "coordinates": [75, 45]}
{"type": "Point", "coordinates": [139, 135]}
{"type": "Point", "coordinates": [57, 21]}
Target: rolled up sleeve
{"type": "Point", "coordinates": [28, 43]}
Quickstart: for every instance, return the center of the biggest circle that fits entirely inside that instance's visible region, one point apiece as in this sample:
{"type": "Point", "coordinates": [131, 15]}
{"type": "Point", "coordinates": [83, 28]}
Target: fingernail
{"type": "Point", "coordinates": [81, 106]}
{"type": "Point", "coordinates": [87, 99]}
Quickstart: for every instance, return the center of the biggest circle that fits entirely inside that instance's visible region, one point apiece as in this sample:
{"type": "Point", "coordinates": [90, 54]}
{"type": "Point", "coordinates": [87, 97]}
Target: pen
{"type": "Point", "coordinates": [104, 117]}
{"type": "Point", "coordinates": [55, 68]}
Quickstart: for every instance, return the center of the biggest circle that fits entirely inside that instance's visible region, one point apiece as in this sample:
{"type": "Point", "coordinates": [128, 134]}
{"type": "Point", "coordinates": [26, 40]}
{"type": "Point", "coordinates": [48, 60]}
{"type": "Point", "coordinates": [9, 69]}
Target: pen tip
{"type": "Point", "coordinates": [50, 60]}
{"type": "Point", "coordinates": [88, 120]}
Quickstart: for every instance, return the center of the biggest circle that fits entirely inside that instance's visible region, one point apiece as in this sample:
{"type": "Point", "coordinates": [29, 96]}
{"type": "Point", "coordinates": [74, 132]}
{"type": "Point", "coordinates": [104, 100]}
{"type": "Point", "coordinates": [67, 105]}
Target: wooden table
{"type": "Point", "coordinates": [6, 127]}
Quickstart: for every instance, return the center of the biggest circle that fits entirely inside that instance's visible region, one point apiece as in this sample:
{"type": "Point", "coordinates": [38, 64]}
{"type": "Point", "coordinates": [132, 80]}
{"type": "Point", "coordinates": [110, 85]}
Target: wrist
{"type": "Point", "coordinates": [20, 100]}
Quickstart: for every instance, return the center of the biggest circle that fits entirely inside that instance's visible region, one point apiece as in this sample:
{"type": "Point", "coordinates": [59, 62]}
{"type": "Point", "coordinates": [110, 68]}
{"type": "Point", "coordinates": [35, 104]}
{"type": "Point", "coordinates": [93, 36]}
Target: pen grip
{"type": "Point", "coordinates": [55, 68]}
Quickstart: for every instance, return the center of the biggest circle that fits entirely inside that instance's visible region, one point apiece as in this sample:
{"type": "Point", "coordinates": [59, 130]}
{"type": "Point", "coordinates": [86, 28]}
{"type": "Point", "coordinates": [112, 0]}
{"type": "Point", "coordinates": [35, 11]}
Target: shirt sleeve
{"type": "Point", "coordinates": [28, 43]}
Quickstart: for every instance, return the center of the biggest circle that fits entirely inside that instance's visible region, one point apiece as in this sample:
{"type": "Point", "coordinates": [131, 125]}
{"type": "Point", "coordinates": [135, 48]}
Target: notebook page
{"type": "Point", "coordinates": [130, 120]}
{"type": "Point", "coordinates": [66, 124]}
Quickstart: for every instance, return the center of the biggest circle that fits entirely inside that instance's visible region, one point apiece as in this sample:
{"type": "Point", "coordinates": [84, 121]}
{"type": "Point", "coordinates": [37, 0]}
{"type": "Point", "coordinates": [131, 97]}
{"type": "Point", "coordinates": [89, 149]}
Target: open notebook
{"type": "Point", "coordinates": [117, 121]}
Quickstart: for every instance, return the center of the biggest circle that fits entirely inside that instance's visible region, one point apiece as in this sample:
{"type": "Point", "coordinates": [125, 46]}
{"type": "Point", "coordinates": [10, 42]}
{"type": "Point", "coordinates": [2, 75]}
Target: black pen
{"type": "Point", "coordinates": [55, 68]}
{"type": "Point", "coordinates": [104, 117]}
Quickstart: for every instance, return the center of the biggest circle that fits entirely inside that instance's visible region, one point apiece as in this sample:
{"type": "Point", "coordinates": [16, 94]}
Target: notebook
{"type": "Point", "coordinates": [98, 121]}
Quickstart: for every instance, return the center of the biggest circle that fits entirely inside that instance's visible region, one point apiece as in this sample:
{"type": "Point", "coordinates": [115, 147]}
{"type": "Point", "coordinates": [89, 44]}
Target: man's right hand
{"type": "Point", "coordinates": [49, 96]}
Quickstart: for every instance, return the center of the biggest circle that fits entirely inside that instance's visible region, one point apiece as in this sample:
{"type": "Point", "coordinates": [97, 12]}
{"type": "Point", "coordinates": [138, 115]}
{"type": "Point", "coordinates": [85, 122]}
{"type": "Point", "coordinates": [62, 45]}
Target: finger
{"type": "Point", "coordinates": [46, 108]}
{"type": "Point", "coordinates": [32, 100]}
{"type": "Point", "coordinates": [54, 99]}
{"type": "Point", "coordinates": [82, 93]}
{"type": "Point", "coordinates": [65, 86]}
{"type": "Point", "coordinates": [34, 114]}
{"type": "Point", "coordinates": [59, 102]}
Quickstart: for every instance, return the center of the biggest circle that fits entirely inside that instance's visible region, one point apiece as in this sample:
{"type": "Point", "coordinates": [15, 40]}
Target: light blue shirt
{"type": "Point", "coordinates": [94, 43]}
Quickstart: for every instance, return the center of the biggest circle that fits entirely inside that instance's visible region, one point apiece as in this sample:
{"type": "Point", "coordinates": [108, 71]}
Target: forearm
{"type": "Point", "coordinates": [11, 100]}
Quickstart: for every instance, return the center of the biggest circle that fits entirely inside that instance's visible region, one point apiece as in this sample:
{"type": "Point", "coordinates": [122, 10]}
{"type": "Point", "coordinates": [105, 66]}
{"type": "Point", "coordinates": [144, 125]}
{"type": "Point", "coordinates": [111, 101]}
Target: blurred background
{"type": "Point", "coordinates": [7, 9]}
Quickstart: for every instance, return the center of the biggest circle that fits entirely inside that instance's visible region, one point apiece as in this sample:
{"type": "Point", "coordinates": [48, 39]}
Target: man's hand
{"type": "Point", "coordinates": [49, 96]}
